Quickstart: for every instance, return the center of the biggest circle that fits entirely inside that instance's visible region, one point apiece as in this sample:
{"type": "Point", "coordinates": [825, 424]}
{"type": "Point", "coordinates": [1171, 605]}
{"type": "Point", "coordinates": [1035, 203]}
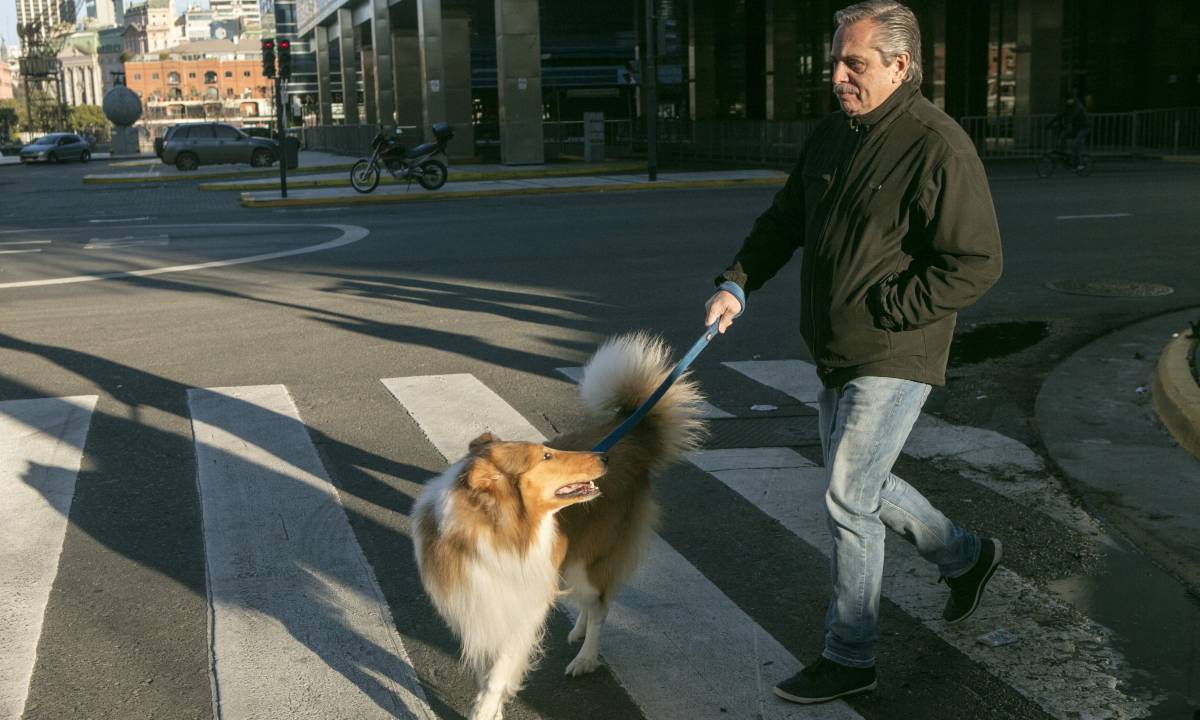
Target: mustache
{"type": "Point", "coordinates": [845, 89]}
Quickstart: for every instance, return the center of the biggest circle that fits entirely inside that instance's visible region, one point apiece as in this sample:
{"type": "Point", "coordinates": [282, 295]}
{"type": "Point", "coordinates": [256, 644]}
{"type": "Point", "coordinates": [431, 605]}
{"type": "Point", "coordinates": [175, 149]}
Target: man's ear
{"type": "Point", "coordinates": [482, 440]}
{"type": "Point", "coordinates": [901, 64]}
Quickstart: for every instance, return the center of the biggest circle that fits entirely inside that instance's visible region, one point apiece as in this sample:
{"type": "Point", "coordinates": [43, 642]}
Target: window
{"type": "Point", "coordinates": [191, 76]}
{"type": "Point", "coordinates": [137, 76]}
{"type": "Point", "coordinates": [181, 133]}
{"type": "Point", "coordinates": [228, 73]}
{"type": "Point", "coordinates": [154, 76]}
{"type": "Point", "coordinates": [228, 92]}
{"type": "Point", "coordinates": [225, 132]}
{"type": "Point", "coordinates": [212, 94]}
{"type": "Point", "coordinates": [202, 132]}
{"type": "Point", "coordinates": [210, 78]}
{"type": "Point", "coordinates": [245, 73]}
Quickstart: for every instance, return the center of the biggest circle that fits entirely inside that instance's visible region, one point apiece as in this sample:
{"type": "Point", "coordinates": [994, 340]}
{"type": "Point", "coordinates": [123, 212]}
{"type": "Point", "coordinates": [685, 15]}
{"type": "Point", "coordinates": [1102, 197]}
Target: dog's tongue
{"type": "Point", "coordinates": [584, 488]}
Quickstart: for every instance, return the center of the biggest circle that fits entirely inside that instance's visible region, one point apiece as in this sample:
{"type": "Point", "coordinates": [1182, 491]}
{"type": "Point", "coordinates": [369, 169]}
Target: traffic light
{"type": "Point", "coordinates": [268, 57]}
{"type": "Point", "coordinates": [285, 59]}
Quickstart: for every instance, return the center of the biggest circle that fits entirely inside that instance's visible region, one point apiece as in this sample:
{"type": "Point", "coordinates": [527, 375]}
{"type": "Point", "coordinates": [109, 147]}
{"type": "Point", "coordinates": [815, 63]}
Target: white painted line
{"type": "Point", "coordinates": [26, 242]}
{"type": "Point", "coordinates": [453, 410]}
{"type": "Point", "coordinates": [41, 447]}
{"type": "Point", "coordinates": [1093, 217]}
{"type": "Point", "coordinates": [299, 626]}
{"type": "Point", "coordinates": [350, 234]}
{"type": "Point", "coordinates": [128, 241]}
{"type": "Point", "coordinates": [986, 457]}
{"type": "Point", "coordinates": [1072, 670]}
{"type": "Point", "coordinates": [708, 411]}
{"type": "Point", "coordinates": [792, 377]}
{"type": "Point", "coordinates": [117, 220]}
{"type": "Point", "coordinates": [19, 252]}
{"type": "Point", "coordinates": [681, 655]}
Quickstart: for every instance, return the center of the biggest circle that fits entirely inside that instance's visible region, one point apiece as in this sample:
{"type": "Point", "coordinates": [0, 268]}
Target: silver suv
{"type": "Point", "coordinates": [190, 146]}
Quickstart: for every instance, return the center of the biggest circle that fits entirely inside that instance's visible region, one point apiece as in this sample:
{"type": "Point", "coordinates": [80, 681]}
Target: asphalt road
{"type": "Point", "coordinates": [136, 294]}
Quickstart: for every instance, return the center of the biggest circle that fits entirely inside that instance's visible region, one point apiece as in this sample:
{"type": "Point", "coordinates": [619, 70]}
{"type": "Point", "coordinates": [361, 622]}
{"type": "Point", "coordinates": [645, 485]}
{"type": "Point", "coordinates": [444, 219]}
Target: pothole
{"type": "Point", "coordinates": [985, 342]}
{"type": "Point", "coordinates": [1110, 288]}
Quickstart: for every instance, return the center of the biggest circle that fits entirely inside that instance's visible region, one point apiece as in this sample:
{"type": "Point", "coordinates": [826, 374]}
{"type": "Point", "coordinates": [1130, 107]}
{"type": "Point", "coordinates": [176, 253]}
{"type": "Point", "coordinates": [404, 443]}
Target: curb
{"type": "Point", "coordinates": [248, 201]}
{"type": "Point", "coordinates": [143, 179]}
{"type": "Point", "coordinates": [462, 176]}
{"type": "Point", "coordinates": [1176, 394]}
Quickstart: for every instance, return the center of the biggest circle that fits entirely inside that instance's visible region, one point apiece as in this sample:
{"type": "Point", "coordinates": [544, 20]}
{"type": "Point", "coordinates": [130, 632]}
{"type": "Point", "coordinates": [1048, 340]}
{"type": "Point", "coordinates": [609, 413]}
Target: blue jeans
{"type": "Point", "coordinates": [864, 425]}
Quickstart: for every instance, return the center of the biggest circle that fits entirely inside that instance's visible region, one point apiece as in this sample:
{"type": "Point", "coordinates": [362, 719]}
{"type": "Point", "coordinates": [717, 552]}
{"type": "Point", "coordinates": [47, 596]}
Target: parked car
{"type": "Point", "coordinates": [57, 147]}
{"type": "Point", "coordinates": [191, 146]}
{"type": "Point", "coordinates": [158, 141]}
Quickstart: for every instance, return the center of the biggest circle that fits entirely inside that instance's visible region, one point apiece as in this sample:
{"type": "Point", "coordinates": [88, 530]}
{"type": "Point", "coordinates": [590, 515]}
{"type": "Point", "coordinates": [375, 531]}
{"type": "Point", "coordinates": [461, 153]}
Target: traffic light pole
{"type": "Point", "coordinates": [281, 116]}
{"type": "Point", "coordinates": [650, 80]}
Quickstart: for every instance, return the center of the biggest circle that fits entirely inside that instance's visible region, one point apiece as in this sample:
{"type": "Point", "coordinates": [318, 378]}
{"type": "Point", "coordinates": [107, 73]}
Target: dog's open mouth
{"type": "Point", "coordinates": [583, 489]}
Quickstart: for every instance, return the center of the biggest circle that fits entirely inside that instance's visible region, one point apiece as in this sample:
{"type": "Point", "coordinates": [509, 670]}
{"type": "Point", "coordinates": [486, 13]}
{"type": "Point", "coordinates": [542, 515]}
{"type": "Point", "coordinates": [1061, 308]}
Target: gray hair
{"type": "Point", "coordinates": [896, 32]}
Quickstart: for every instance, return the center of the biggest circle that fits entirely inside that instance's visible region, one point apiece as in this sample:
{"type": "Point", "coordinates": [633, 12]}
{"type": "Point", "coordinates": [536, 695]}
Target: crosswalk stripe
{"type": "Point", "coordinates": [988, 458]}
{"type": "Point", "coordinates": [299, 626]}
{"type": "Point", "coordinates": [708, 411]}
{"type": "Point", "coordinates": [41, 449]}
{"type": "Point", "coordinates": [1069, 673]}
{"type": "Point", "coordinates": [453, 410]}
{"type": "Point", "coordinates": [689, 654]}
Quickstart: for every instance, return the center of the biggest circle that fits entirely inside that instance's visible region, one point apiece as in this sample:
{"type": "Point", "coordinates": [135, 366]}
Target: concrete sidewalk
{"type": "Point", "coordinates": [527, 186]}
{"type": "Point", "coordinates": [143, 170]}
{"type": "Point", "coordinates": [6, 160]}
{"type": "Point", "coordinates": [1098, 420]}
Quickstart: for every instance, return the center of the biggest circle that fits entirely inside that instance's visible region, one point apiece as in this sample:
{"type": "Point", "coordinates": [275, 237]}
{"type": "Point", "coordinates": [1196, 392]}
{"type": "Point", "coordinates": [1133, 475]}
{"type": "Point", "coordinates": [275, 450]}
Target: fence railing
{"type": "Point", "coordinates": [1144, 132]}
{"type": "Point", "coordinates": [776, 142]}
{"type": "Point", "coordinates": [339, 139]}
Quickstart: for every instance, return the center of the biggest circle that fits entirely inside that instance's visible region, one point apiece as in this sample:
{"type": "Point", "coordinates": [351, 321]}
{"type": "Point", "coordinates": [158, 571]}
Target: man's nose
{"type": "Point", "coordinates": [839, 73]}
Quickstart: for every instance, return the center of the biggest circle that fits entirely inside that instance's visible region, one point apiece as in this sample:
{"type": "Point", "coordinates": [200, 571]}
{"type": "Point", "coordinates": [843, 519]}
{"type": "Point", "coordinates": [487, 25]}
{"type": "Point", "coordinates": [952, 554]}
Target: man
{"type": "Point", "coordinates": [891, 205]}
{"type": "Point", "coordinates": [1073, 125]}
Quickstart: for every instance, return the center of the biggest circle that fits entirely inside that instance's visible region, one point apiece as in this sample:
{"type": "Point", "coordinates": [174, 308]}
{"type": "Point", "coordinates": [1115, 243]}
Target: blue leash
{"type": "Point", "coordinates": [623, 429]}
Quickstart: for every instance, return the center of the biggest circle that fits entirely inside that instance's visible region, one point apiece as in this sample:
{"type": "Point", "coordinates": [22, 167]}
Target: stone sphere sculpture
{"type": "Point", "coordinates": [122, 106]}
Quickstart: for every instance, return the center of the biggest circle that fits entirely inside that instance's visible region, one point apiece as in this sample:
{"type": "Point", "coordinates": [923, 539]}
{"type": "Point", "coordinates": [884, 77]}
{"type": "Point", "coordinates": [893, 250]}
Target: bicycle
{"type": "Point", "coordinates": [1052, 158]}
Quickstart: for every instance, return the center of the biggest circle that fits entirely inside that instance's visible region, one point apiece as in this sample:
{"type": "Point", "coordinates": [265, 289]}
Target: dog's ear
{"type": "Point", "coordinates": [482, 440]}
{"type": "Point", "coordinates": [481, 474]}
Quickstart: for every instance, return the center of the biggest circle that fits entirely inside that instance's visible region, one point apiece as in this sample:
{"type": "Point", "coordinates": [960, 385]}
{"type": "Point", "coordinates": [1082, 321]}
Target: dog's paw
{"type": "Point", "coordinates": [582, 665]}
{"type": "Point", "coordinates": [577, 633]}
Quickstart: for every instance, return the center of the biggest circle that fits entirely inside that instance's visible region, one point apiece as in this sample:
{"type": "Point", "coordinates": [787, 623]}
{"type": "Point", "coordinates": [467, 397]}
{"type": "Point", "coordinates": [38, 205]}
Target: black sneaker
{"type": "Point", "coordinates": [825, 680]}
{"type": "Point", "coordinates": [966, 589]}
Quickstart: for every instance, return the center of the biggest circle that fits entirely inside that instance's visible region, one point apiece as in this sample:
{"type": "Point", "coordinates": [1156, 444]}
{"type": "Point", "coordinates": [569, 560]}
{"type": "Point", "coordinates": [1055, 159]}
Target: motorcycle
{"type": "Point", "coordinates": [421, 163]}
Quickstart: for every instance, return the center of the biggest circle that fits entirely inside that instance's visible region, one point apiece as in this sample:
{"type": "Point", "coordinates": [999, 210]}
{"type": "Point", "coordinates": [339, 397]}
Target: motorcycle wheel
{"type": "Point", "coordinates": [433, 175]}
{"type": "Point", "coordinates": [364, 176]}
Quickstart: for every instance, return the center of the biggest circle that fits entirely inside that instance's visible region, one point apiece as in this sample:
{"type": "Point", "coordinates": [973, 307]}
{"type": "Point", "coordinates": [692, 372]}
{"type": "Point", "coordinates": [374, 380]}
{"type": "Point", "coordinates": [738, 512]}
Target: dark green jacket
{"type": "Point", "coordinates": [899, 233]}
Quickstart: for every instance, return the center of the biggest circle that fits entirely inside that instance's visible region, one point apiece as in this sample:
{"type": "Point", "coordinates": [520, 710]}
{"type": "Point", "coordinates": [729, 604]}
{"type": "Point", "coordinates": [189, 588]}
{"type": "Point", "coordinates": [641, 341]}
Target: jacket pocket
{"type": "Point", "coordinates": [854, 338]}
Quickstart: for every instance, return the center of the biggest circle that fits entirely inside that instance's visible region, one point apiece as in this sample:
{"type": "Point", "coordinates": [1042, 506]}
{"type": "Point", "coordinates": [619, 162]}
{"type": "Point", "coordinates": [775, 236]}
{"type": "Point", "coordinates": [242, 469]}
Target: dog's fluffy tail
{"type": "Point", "coordinates": [625, 371]}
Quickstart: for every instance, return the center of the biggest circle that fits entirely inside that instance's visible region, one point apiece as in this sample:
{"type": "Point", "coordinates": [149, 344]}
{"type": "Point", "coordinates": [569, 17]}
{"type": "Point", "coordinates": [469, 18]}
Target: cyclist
{"type": "Point", "coordinates": [1073, 124]}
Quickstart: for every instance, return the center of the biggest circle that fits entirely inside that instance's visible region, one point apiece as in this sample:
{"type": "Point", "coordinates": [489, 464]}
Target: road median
{"type": "Point", "coordinates": [530, 186]}
{"type": "Point", "coordinates": [461, 173]}
{"type": "Point", "coordinates": [1176, 393]}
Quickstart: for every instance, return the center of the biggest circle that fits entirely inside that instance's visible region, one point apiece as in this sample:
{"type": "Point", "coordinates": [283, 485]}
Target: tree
{"type": "Point", "coordinates": [8, 120]}
{"type": "Point", "coordinates": [90, 119]}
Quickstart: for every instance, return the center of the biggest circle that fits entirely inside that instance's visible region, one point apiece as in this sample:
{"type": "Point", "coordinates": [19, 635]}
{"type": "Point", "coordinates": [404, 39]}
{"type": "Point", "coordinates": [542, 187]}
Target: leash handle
{"type": "Point", "coordinates": [623, 429]}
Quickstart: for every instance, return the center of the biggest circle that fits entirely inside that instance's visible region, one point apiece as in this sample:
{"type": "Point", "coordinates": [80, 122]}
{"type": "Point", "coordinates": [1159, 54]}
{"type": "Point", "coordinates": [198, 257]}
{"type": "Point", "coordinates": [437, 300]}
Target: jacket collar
{"type": "Point", "coordinates": [888, 111]}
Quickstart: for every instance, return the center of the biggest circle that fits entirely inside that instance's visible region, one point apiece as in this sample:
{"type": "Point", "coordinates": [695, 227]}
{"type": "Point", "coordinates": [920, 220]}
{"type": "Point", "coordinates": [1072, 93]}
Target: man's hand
{"type": "Point", "coordinates": [723, 305]}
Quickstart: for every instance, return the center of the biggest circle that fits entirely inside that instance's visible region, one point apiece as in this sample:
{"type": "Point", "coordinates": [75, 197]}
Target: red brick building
{"type": "Point", "coordinates": [204, 80]}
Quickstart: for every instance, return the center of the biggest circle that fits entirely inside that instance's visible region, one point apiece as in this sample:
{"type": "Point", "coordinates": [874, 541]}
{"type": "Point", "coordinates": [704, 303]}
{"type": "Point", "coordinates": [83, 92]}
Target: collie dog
{"type": "Point", "coordinates": [505, 531]}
